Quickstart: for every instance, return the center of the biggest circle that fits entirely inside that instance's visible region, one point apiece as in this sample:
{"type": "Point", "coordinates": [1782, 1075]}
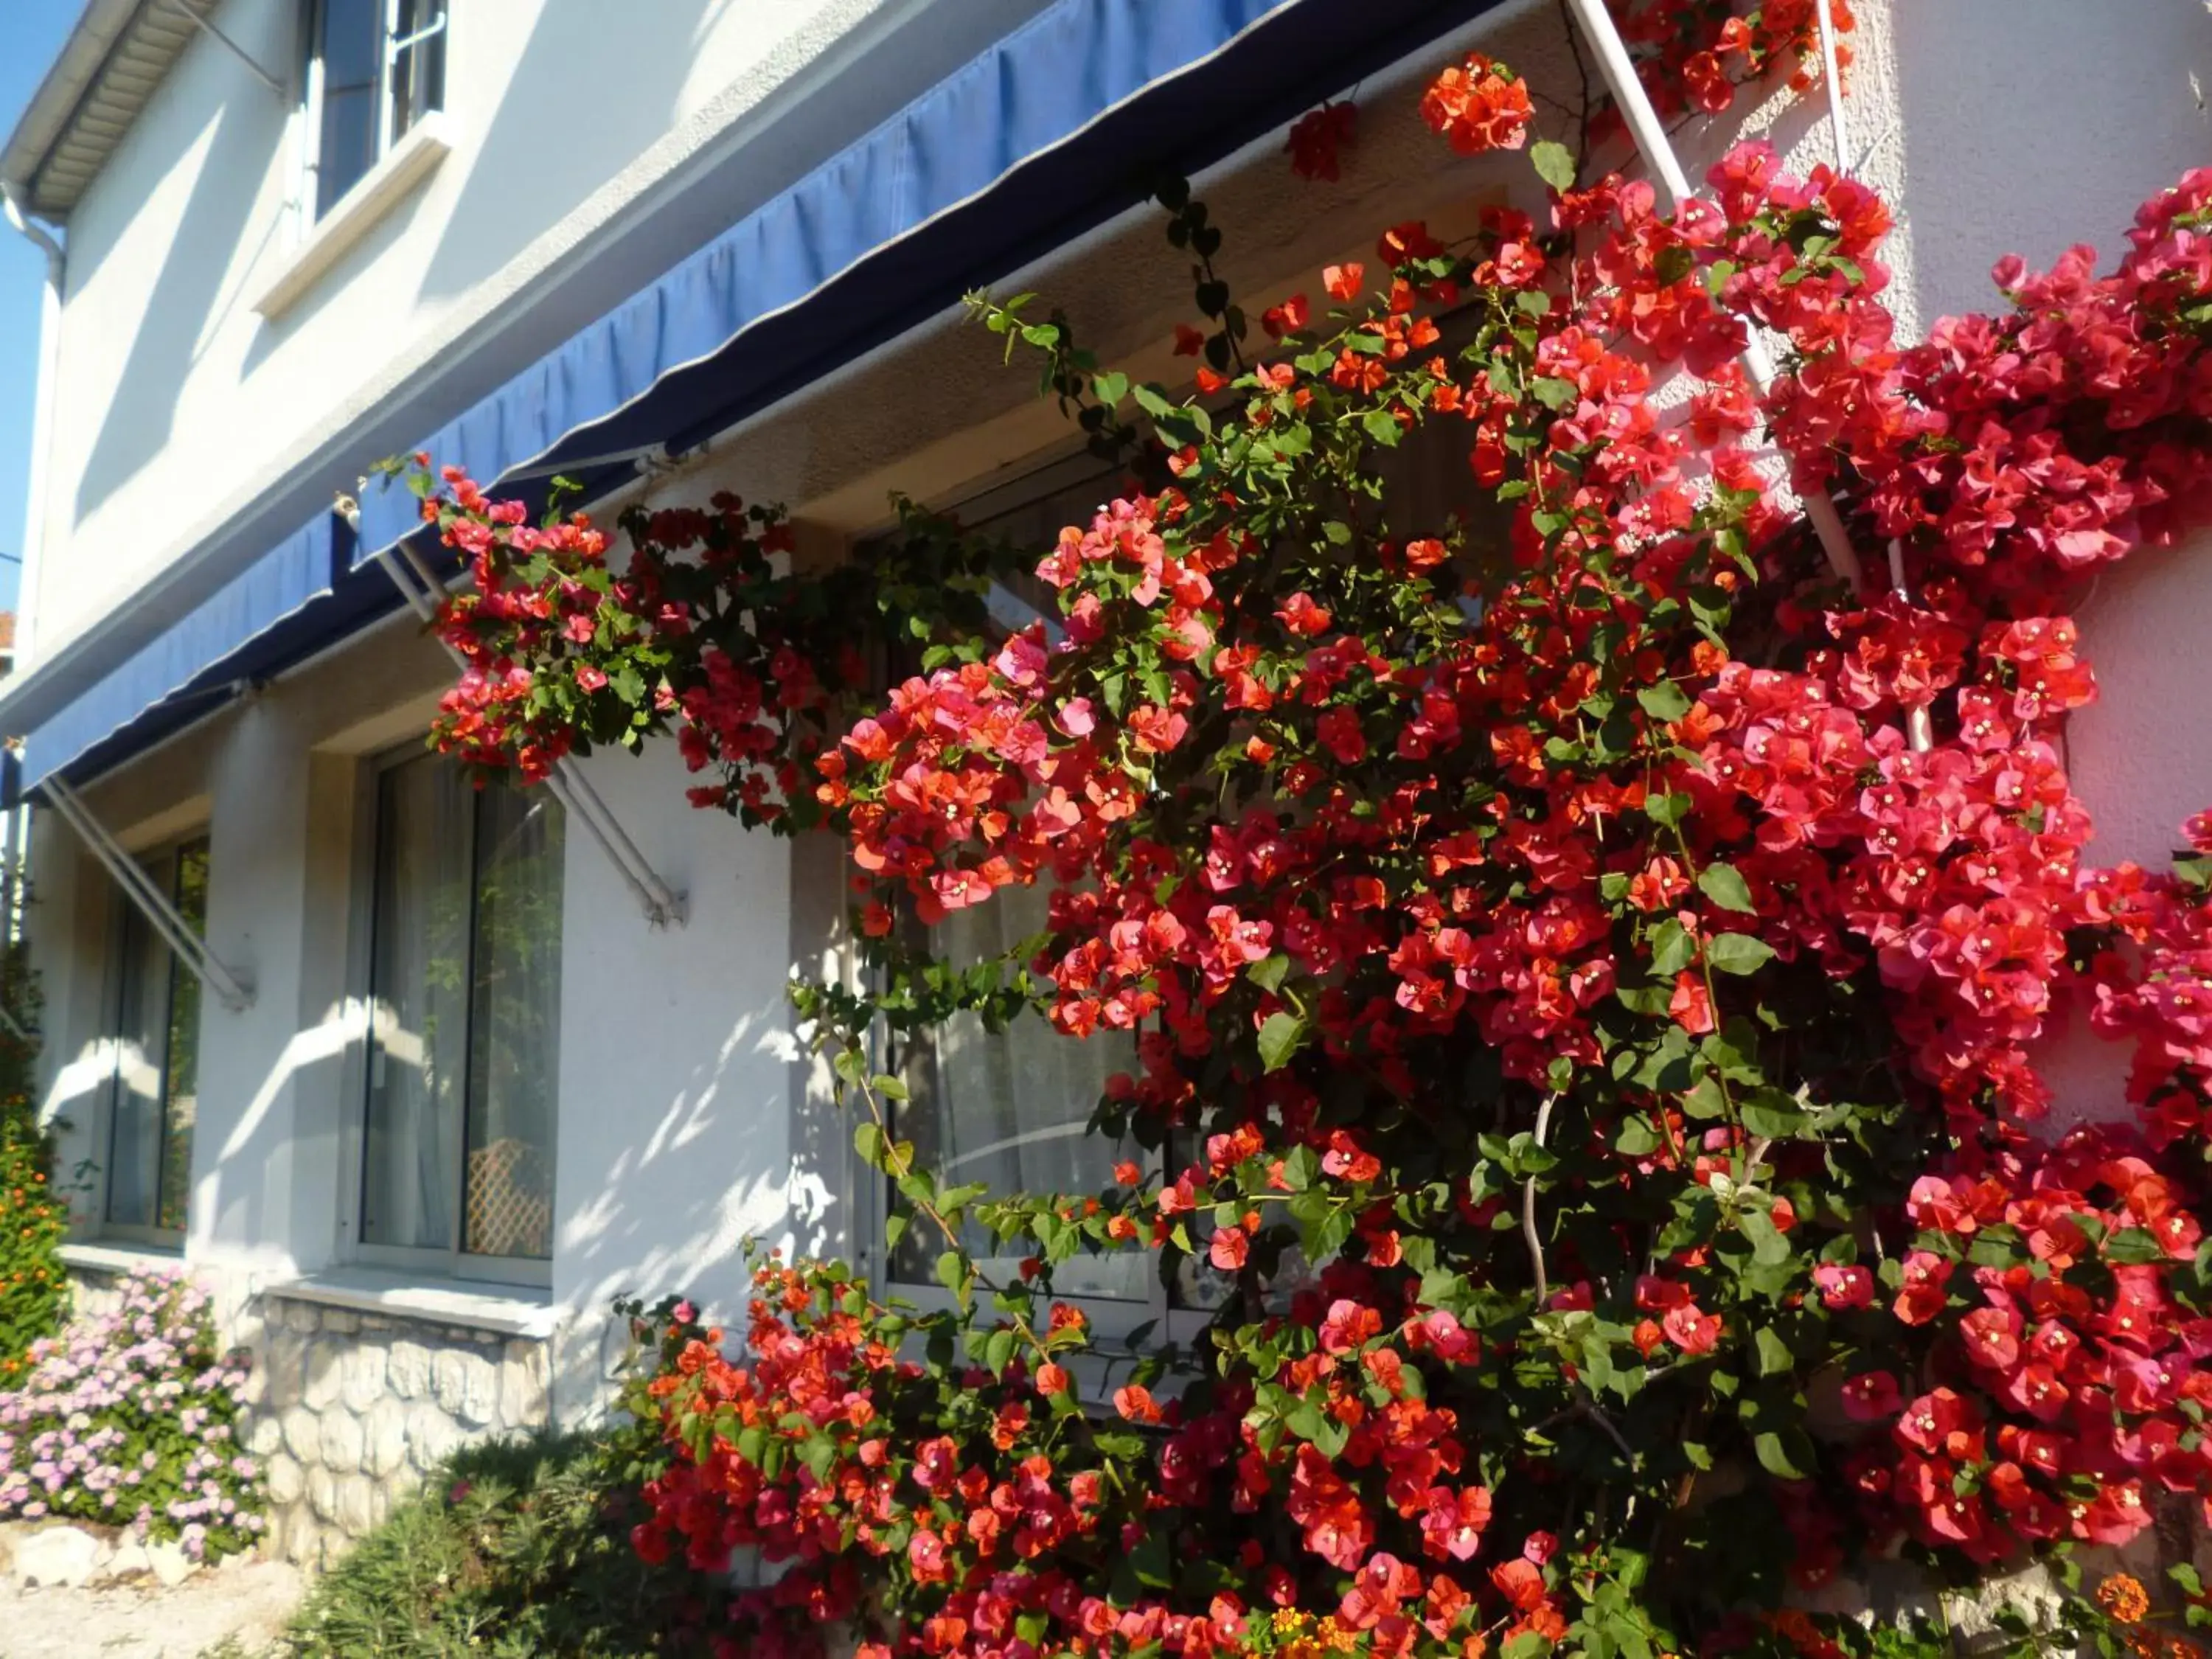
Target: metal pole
{"type": "Point", "coordinates": [236, 51]}
{"type": "Point", "coordinates": [1832, 77]}
{"type": "Point", "coordinates": [1657, 149]}
{"type": "Point", "coordinates": [567, 784]}
{"type": "Point", "coordinates": [190, 949]}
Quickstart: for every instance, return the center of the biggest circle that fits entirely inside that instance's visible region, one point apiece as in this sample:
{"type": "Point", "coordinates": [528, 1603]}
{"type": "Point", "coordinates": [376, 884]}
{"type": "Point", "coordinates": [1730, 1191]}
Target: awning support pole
{"type": "Point", "coordinates": [207, 26]}
{"type": "Point", "coordinates": [663, 906]}
{"type": "Point", "coordinates": [176, 932]}
{"type": "Point", "coordinates": [1650, 134]}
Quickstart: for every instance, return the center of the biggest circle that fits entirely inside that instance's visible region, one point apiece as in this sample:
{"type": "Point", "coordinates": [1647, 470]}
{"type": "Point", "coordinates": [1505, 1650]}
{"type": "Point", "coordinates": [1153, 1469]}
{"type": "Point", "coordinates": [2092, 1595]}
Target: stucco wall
{"type": "Point", "coordinates": [590, 153]}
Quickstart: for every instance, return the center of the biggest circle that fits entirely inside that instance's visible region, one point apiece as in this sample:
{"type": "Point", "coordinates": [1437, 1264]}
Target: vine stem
{"type": "Point", "coordinates": [899, 1169]}
{"type": "Point", "coordinates": [1529, 1207]}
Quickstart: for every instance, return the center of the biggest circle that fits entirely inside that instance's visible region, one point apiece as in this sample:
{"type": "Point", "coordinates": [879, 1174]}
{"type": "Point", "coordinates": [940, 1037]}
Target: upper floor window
{"type": "Point", "coordinates": [154, 1092]}
{"type": "Point", "coordinates": [374, 68]}
{"type": "Point", "coordinates": [457, 1134]}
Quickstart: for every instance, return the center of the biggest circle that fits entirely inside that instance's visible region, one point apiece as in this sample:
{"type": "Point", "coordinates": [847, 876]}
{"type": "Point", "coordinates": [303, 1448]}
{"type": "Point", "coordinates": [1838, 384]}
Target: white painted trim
{"type": "Point", "coordinates": [508, 1312]}
{"type": "Point", "coordinates": [354, 215]}
{"type": "Point", "coordinates": [108, 1258]}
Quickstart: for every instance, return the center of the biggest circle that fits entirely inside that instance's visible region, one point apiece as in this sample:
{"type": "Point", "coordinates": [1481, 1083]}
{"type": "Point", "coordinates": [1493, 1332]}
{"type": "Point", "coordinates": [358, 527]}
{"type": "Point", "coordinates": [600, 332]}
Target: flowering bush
{"type": "Point", "coordinates": [33, 1220]}
{"type": "Point", "coordinates": [129, 1419]}
{"type": "Point", "coordinates": [1614, 956]}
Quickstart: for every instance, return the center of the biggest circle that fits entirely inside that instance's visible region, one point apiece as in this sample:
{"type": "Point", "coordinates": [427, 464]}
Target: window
{"type": "Point", "coordinates": [1010, 1108]}
{"type": "Point", "coordinates": [374, 68]}
{"type": "Point", "coordinates": [154, 1092]}
{"type": "Point", "coordinates": [457, 1143]}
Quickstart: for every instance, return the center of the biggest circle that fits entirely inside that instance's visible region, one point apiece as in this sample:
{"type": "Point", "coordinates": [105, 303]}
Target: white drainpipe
{"type": "Point", "coordinates": [42, 418]}
{"type": "Point", "coordinates": [15, 828]}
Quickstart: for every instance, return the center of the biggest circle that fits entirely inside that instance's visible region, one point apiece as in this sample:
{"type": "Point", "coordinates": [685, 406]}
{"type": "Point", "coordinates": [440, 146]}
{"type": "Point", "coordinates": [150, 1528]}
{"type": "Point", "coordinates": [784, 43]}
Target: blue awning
{"type": "Point", "coordinates": [1058, 126]}
{"type": "Point", "coordinates": [290, 602]}
{"type": "Point", "coordinates": [1055, 130]}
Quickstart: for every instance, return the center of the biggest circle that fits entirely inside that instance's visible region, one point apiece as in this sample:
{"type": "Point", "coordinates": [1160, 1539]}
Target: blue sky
{"type": "Point", "coordinates": [31, 35]}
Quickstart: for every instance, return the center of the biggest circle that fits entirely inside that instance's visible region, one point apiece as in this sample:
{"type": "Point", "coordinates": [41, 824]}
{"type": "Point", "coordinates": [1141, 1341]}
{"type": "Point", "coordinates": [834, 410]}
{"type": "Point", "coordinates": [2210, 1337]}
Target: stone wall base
{"type": "Point", "coordinates": [347, 1412]}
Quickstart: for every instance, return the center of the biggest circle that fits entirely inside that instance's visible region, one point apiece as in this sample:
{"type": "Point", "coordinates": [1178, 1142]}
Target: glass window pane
{"type": "Point", "coordinates": [134, 1142]}
{"type": "Point", "coordinates": [419, 986]}
{"type": "Point", "coordinates": [1011, 1109]}
{"type": "Point", "coordinates": [514, 1034]}
{"type": "Point", "coordinates": [349, 43]}
{"type": "Point", "coordinates": [418, 75]}
{"type": "Point", "coordinates": [180, 1082]}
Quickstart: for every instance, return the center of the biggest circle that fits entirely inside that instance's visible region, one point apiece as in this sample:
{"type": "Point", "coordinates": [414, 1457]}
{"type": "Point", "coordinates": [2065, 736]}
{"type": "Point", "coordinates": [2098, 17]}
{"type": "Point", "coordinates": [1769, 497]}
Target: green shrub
{"type": "Point", "coordinates": [512, 1548]}
{"type": "Point", "coordinates": [33, 1219]}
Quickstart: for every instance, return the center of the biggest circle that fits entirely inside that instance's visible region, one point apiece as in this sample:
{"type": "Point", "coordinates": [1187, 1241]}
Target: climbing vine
{"type": "Point", "coordinates": [1585, 980]}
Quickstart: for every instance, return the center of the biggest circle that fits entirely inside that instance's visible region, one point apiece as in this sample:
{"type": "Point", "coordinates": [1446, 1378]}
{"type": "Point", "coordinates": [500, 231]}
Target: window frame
{"type": "Point", "coordinates": [124, 929]}
{"type": "Point", "coordinates": [308, 108]}
{"type": "Point", "coordinates": [418, 1262]}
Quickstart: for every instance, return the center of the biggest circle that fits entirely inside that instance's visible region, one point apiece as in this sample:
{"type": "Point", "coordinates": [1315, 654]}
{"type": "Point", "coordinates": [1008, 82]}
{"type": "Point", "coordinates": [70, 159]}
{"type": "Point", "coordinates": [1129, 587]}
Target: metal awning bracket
{"type": "Point", "coordinates": [664, 906]}
{"type": "Point", "coordinates": [207, 26]}
{"type": "Point", "coordinates": [234, 988]}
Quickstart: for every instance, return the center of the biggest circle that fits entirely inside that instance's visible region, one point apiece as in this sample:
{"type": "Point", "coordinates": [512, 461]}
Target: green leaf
{"type": "Point", "coordinates": [1774, 1357]}
{"type": "Point", "coordinates": [1554, 163]}
{"type": "Point", "coordinates": [1768, 1247]}
{"type": "Point", "coordinates": [2132, 1246]}
{"type": "Point", "coordinates": [1110, 387]}
{"type": "Point", "coordinates": [1280, 1034]}
{"type": "Point", "coordinates": [1787, 1456]}
{"type": "Point", "coordinates": [1636, 1138]}
{"type": "Point", "coordinates": [1150, 399]}
{"type": "Point", "coordinates": [868, 1142]}
{"type": "Point", "coordinates": [1771, 1113]}
{"type": "Point", "coordinates": [1664, 701]}
{"type": "Point", "coordinates": [1671, 948]}
{"type": "Point", "coordinates": [1725, 886]}
{"type": "Point", "coordinates": [952, 1274]}
{"type": "Point", "coordinates": [1705, 1099]}
{"type": "Point", "coordinates": [1267, 972]}
{"type": "Point", "coordinates": [1738, 953]}
{"type": "Point", "coordinates": [1151, 1561]}
{"type": "Point", "coordinates": [1382, 426]}
{"type": "Point", "coordinates": [1555, 393]}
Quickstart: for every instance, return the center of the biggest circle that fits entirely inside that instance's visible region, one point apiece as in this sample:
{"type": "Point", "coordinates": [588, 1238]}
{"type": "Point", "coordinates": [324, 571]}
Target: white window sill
{"type": "Point", "coordinates": [357, 212]}
{"type": "Point", "coordinates": [113, 1258]}
{"type": "Point", "coordinates": [508, 1311]}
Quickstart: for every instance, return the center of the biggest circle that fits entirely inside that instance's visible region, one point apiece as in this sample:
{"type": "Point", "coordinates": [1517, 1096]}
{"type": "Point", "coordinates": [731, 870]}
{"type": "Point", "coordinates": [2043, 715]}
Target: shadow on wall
{"type": "Point", "coordinates": [2026, 129]}
{"type": "Point", "coordinates": [543, 151]}
{"type": "Point", "coordinates": [243, 1186]}
{"type": "Point", "coordinates": [662, 1222]}
{"type": "Point", "coordinates": [188, 299]}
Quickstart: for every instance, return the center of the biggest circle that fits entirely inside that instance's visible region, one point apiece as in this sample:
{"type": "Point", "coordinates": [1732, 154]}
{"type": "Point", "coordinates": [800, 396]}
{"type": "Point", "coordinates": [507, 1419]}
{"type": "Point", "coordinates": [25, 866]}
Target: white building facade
{"type": "Point", "coordinates": [419, 1079]}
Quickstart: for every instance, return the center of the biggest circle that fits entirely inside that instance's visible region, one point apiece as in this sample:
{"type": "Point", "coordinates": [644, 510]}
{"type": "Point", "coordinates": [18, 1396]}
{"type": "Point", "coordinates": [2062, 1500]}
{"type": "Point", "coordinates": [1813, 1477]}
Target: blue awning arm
{"type": "Point", "coordinates": [231, 989]}
{"type": "Point", "coordinates": [664, 906]}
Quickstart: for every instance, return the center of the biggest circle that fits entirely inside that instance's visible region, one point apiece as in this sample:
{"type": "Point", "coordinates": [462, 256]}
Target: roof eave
{"type": "Point", "coordinates": [107, 71]}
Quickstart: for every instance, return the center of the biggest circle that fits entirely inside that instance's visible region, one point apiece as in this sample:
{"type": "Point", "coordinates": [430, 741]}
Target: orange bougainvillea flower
{"type": "Point", "coordinates": [1479, 106]}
